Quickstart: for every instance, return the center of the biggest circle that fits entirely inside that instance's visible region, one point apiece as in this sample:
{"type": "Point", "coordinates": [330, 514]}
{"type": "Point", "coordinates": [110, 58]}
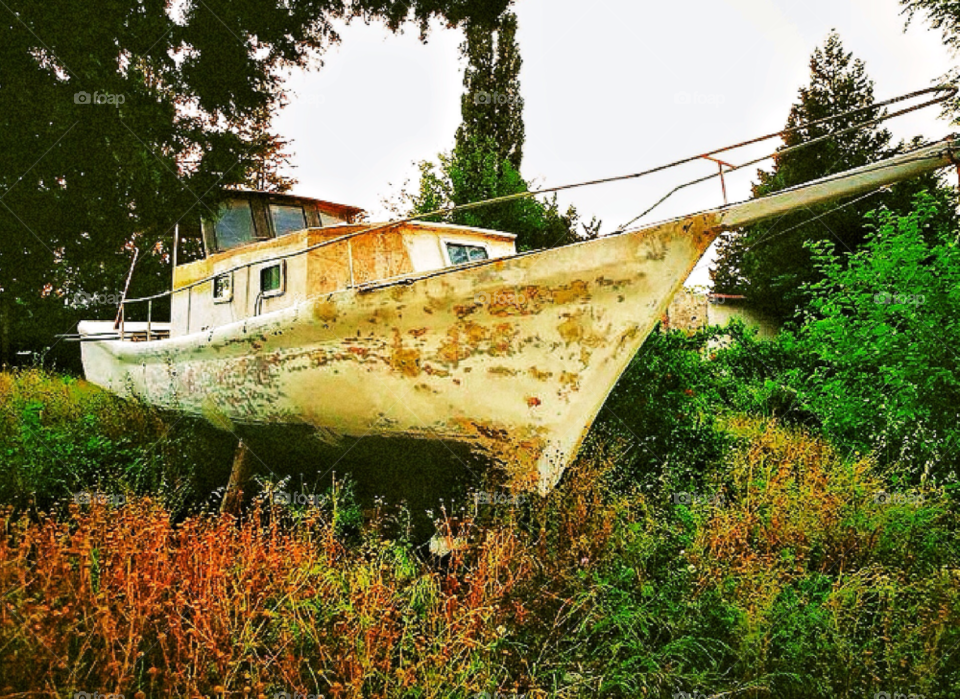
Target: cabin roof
{"type": "Point", "coordinates": [453, 228]}
{"type": "Point", "coordinates": [342, 210]}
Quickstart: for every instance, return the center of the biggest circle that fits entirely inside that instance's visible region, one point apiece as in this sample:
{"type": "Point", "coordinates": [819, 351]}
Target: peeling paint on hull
{"type": "Point", "coordinates": [515, 356]}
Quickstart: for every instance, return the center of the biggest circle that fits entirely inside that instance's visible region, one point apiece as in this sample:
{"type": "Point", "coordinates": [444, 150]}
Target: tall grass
{"type": "Point", "coordinates": [798, 577]}
{"type": "Point", "coordinates": [60, 436]}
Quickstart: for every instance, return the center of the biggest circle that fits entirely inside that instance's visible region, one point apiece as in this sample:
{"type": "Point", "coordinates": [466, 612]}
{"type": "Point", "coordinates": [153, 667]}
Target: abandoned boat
{"type": "Point", "coordinates": [297, 313]}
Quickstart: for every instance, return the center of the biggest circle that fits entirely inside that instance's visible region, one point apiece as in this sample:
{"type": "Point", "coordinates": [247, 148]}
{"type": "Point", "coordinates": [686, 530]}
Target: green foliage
{"type": "Point", "coordinates": [473, 173]}
{"type": "Point", "coordinates": [770, 262]}
{"type": "Point", "coordinates": [491, 105]}
{"type": "Point", "coordinates": [60, 436]}
{"type": "Point", "coordinates": [663, 410]}
{"type": "Point", "coordinates": [883, 327]}
{"type": "Point", "coordinates": [488, 152]}
{"type": "Point", "coordinates": [667, 409]}
{"type": "Point", "coordinates": [943, 15]}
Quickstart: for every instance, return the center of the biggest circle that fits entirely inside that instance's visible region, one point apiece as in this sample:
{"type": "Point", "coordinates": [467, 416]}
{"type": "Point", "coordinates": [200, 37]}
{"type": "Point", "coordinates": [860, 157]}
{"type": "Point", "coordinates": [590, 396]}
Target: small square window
{"type": "Point", "coordinates": [223, 288]}
{"type": "Point", "coordinates": [271, 280]}
{"type": "Point", "coordinates": [461, 254]}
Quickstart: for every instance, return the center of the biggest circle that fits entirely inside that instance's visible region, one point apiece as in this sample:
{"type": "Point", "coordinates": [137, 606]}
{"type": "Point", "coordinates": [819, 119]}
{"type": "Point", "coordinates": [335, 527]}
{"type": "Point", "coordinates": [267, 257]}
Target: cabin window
{"type": "Point", "coordinates": [235, 225]}
{"type": "Point", "coordinates": [287, 218]}
{"type": "Point", "coordinates": [460, 253]}
{"type": "Point", "coordinates": [189, 241]}
{"type": "Point", "coordinates": [223, 288]}
{"type": "Point", "coordinates": [272, 280]}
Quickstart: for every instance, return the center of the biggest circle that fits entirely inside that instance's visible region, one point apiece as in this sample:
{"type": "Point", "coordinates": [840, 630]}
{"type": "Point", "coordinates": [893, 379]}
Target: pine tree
{"type": "Point", "coordinates": [770, 262]}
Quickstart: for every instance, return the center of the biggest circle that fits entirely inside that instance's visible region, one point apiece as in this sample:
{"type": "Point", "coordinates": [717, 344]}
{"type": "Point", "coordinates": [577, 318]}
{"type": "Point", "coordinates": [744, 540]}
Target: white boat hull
{"type": "Point", "coordinates": [515, 356]}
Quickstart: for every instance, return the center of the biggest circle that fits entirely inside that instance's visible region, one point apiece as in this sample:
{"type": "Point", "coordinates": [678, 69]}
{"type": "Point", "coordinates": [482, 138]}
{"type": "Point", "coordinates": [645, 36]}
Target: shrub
{"type": "Point", "coordinates": [883, 328]}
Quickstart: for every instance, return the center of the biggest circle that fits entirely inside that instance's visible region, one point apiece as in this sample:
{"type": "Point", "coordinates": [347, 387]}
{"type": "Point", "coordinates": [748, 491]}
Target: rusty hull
{"type": "Point", "coordinates": [515, 356]}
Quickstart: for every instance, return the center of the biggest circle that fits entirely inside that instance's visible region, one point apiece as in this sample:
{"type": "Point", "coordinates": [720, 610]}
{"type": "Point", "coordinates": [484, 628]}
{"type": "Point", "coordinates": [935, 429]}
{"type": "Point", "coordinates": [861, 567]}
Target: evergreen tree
{"type": "Point", "coordinates": [770, 262]}
{"type": "Point", "coordinates": [491, 106]}
{"type": "Point", "coordinates": [945, 16]}
{"type": "Point", "coordinates": [488, 152]}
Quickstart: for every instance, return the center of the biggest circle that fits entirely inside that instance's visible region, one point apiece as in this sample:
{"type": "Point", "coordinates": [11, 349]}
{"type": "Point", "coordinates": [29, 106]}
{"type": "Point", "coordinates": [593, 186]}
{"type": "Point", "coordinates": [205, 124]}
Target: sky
{"type": "Point", "coordinates": [611, 87]}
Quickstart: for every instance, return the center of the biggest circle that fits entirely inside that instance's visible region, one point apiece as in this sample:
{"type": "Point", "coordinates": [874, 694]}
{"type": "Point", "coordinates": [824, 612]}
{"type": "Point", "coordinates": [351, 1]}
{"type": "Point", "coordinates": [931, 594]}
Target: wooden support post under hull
{"type": "Point", "coordinates": [239, 476]}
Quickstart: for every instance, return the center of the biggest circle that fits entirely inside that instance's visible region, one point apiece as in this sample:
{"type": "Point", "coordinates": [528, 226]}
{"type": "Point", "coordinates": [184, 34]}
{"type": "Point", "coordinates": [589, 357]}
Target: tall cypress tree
{"type": "Point", "coordinates": [488, 151]}
{"type": "Point", "coordinates": [770, 262]}
{"type": "Point", "coordinates": [491, 105]}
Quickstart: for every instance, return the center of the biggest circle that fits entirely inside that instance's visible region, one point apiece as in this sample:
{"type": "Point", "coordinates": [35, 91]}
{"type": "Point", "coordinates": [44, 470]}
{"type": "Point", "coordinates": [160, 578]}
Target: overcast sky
{"type": "Point", "coordinates": [611, 87]}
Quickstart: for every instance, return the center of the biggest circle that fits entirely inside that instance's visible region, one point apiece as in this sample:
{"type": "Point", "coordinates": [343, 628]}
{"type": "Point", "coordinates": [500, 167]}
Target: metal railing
{"type": "Point", "coordinates": [943, 93]}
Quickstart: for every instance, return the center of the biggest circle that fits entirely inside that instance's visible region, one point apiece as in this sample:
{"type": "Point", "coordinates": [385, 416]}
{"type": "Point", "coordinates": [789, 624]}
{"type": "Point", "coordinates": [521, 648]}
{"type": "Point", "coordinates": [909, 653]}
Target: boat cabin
{"type": "Point", "coordinates": [266, 251]}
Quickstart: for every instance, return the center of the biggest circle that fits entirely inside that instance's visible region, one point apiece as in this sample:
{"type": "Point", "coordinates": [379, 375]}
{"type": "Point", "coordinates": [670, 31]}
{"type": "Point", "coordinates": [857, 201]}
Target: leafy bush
{"type": "Point", "coordinates": [60, 436]}
{"type": "Point", "coordinates": [884, 328]}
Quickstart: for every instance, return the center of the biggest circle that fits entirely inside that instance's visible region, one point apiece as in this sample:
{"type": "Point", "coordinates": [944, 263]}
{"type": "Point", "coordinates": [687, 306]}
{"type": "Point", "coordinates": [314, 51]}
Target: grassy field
{"type": "Point", "coordinates": [783, 569]}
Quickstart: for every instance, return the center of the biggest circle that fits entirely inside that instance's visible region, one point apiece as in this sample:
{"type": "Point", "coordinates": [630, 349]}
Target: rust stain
{"type": "Point", "coordinates": [571, 330]}
{"type": "Point", "coordinates": [406, 361]}
{"type": "Point", "coordinates": [585, 355]}
{"type": "Point", "coordinates": [502, 371]}
{"type": "Point", "coordinates": [513, 302]}
{"type": "Point", "coordinates": [575, 291]}
{"type": "Point", "coordinates": [533, 402]}
{"type": "Point", "coordinates": [571, 381]}
{"type": "Point", "coordinates": [453, 350]}
{"type": "Point", "coordinates": [419, 332]}
{"type": "Point", "coordinates": [540, 375]}
{"type": "Point", "coordinates": [466, 310]}
{"type": "Point", "coordinates": [325, 311]}
{"type": "Point", "coordinates": [516, 452]}
{"type": "Point", "coordinates": [626, 338]}
{"type": "Point", "coordinates": [502, 342]}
